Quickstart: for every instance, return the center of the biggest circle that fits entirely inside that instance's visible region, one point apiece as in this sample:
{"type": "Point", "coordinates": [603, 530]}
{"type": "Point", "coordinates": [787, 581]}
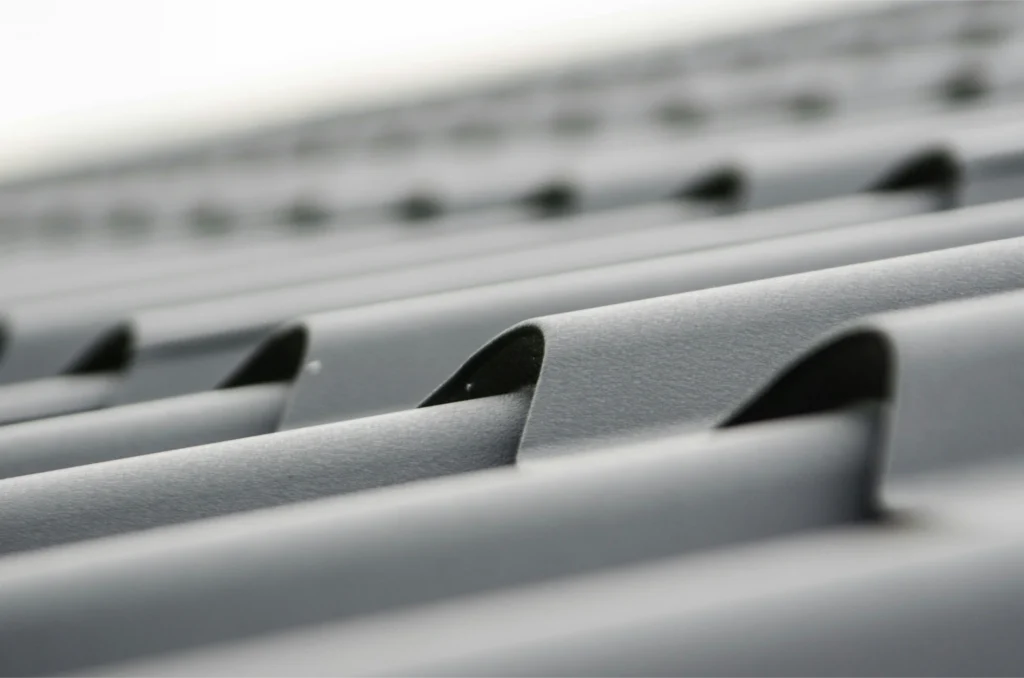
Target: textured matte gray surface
{"type": "Point", "coordinates": [805, 460]}
{"type": "Point", "coordinates": [728, 340]}
{"type": "Point", "coordinates": [417, 544]}
{"type": "Point", "coordinates": [937, 363]}
{"type": "Point", "coordinates": [938, 561]}
{"type": "Point", "coordinates": [44, 337]}
{"type": "Point", "coordinates": [200, 482]}
{"type": "Point", "coordinates": [33, 275]}
{"type": "Point", "coordinates": [176, 347]}
{"type": "Point", "coordinates": [405, 348]}
{"type": "Point", "coordinates": [574, 493]}
{"type": "Point", "coordinates": [56, 396]}
{"type": "Point", "coordinates": [751, 329]}
{"type": "Point", "coordinates": [146, 428]}
{"type": "Point", "coordinates": [924, 599]}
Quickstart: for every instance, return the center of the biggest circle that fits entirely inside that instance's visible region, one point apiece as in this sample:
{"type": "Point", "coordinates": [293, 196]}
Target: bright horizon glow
{"type": "Point", "coordinates": [92, 78]}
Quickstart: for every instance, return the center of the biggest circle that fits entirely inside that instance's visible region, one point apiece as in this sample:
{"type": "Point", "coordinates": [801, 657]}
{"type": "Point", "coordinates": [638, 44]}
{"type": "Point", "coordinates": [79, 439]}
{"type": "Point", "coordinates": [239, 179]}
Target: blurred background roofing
{"type": "Point", "coordinates": [72, 93]}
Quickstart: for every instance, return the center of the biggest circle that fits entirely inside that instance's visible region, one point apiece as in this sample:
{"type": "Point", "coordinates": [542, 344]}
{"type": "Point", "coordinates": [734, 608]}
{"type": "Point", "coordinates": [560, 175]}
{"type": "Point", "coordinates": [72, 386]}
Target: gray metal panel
{"type": "Point", "coordinates": [787, 168]}
{"type": "Point", "coordinates": [389, 356]}
{"type": "Point", "coordinates": [483, 179]}
{"type": "Point", "coordinates": [646, 171]}
{"type": "Point", "coordinates": [45, 335]}
{"type": "Point", "coordinates": [427, 542]}
{"type": "Point", "coordinates": [570, 562]}
{"type": "Point", "coordinates": [35, 273]}
{"type": "Point", "coordinates": [936, 362]}
{"type": "Point", "coordinates": [313, 402]}
{"type": "Point", "coordinates": [824, 164]}
{"type": "Point", "coordinates": [922, 599]}
{"type": "Point", "coordinates": [729, 339]}
{"type": "Point", "coordinates": [991, 161]}
{"type": "Point", "coordinates": [762, 166]}
{"type": "Point", "coordinates": [957, 515]}
{"type": "Point", "coordinates": [777, 165]}
{"type": "Point", "coordinates": [56, 396]}
{"type": "Point", "coordinates": [936, 593]}
{"type": "Point", "coordinates": [220, 332]}
{"type": "Point", "coordinates": [948, 495]}
{"type": "Point", "coordinates": [210, 480]}
{"type": "Point", "coordinates": [136, 430]}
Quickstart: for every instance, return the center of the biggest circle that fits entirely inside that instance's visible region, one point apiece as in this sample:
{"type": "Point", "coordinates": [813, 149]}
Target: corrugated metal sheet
{"type": "Point", "coordinates": [704, 362]}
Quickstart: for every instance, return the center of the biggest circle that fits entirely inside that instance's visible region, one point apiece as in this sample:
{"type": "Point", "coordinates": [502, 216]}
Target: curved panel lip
{"type": "Point", "coordinates": [853, 364]}
{"type": "Point", "coordinates": [747, 180]}
{"type": "Point", "coordinates": [509, 362]}
{"type": "Point", "coordinates": [557, 196]}
{"type": "Point", "coordinates": [280, 358]}
{"type": "Point", "coordinates": [114, 350]}
{"type": "Point", "coordinates": [726, 184]}
{"type": "Point", "coordinates": [938, 167]}
{"type": "Point", "coordinates": [864, 164]}
{"type": "Point", "coordinates": [941, 374]}
{"type": "Point", "coordinates": [606, 364]}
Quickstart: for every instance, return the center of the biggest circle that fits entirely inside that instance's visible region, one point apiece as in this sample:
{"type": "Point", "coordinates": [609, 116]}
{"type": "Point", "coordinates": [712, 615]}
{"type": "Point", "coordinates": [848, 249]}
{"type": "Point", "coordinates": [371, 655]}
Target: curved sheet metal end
{"type": "Point", "coordinates": [727, 186]}
{"type": "Point", "coordinates": [855, 367]}
{"type": "Point", "coordinates": [509, 363]}
{"type": "Point", "coordinates": [937, 168]}
{"type": "Point", "coordinates": [280, 358]}
{"type": "Point", "coordinates": [113, 352]}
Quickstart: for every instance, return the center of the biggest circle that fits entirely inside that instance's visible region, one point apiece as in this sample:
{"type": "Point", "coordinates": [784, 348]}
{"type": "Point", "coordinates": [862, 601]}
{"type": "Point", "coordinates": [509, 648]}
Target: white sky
{"type": "Point", "coordinates": [81, 77]}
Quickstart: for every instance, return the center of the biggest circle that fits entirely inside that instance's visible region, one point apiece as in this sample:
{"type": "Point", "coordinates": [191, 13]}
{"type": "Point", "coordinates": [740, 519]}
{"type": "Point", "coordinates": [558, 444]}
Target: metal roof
{"type": "Point", "coordinates": [736, 400]}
